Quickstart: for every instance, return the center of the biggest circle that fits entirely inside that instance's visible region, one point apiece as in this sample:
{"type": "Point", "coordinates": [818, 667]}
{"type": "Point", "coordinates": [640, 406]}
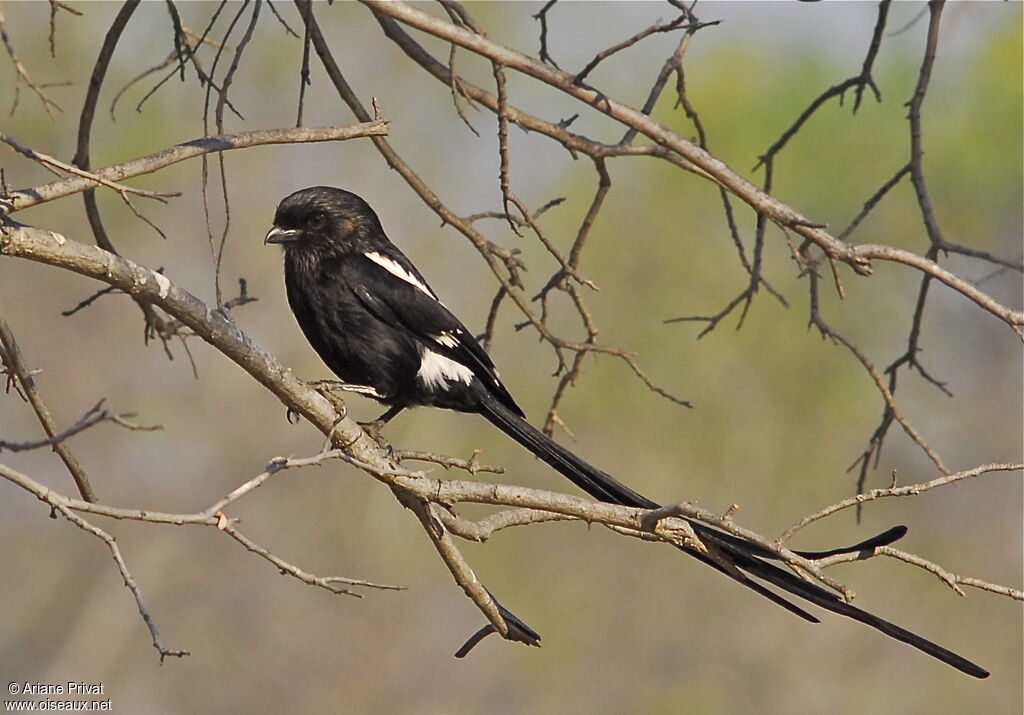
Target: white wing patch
{"type": "Point", "coordinates": [437, 370]}
{"type": "Point", "coordinates": [395, 269]}
{"type": "Point", "coordinates": [448, 339]}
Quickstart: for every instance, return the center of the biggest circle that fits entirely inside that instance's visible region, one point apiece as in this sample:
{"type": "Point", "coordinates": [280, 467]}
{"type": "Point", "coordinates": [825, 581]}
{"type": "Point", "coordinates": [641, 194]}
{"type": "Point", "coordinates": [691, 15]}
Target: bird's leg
{"type": "Point", "coordinates": [373, 428]}
{"type": "Point", "coordinates": [387, 416]}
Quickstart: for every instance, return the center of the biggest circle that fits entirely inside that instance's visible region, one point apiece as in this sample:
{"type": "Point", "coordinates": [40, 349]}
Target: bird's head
{"type": "Point", "coordinates": [324, 218]}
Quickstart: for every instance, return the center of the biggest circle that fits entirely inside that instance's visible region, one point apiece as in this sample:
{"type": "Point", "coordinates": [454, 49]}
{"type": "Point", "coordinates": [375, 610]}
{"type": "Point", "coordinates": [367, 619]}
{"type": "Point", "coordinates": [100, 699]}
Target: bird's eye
{"type": "Point", "coordinates": [317, 220]}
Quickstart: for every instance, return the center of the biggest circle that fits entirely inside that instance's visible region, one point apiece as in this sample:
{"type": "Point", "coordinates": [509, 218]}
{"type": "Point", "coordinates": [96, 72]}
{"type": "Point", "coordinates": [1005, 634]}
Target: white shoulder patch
{"type": "Point", "coordinates": [436, 370]}
{"type": "Point", "coordinates": [395, 269]}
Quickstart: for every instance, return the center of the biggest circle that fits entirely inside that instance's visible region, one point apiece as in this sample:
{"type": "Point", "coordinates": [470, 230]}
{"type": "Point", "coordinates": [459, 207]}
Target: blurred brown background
{"type": "Point", "coordinates": [778, 413]}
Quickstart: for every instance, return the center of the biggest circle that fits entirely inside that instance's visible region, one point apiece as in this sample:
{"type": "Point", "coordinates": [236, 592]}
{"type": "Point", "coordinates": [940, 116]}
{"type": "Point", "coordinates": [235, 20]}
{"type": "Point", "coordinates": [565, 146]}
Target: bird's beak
{"type": "Point", "coordinates": [281, 235]}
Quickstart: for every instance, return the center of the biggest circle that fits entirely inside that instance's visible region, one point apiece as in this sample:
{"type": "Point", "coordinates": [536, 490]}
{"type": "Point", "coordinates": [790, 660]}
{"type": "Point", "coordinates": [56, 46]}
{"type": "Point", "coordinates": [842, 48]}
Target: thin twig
{"type": "Point", "coordinates": [15, 365]}
{"type": "Point", "coordinates": [95, 415]}
{"type": "Point", "coordinates": [21, 199]}
{"type": "Point", "coordinates": [129, 580]}
{"type": "Point", "coordinates": [48, 160]}
{"type": "Point", "coordinates": [894, 491]}
{"type": "Point", "coordinates": [646, 32]}
{"type": "Point", "coordinates": [23, 77]}
{"type": "Point", "coordinates": [482, 530]}
{"type": "Point", "coordinates": [471, 465]}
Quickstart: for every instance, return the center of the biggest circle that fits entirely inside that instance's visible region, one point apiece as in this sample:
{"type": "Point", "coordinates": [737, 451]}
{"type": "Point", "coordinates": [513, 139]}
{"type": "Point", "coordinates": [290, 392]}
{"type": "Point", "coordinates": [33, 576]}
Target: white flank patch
{"type": "Point", "coordinates": [435, 370]}
{"type": "Point", "coordinates": [395, 269]}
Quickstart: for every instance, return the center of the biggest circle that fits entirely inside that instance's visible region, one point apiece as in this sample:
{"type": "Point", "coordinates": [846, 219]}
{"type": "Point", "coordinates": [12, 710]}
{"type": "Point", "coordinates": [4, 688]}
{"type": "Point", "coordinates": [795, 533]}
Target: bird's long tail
{"type": "Point", "coordinates": [745, 558]}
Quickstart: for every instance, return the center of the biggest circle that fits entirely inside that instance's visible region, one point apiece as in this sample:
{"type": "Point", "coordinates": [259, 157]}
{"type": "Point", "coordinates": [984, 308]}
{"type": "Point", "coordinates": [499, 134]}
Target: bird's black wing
{"type": "Point", "coordinates": [394, 292]}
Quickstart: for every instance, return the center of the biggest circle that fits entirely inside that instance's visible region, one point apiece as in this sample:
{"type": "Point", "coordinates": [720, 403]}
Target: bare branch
{"type": "Point", "coordinates": [129, 581]}
{"type": "Point", "coordinates": [93, 417]}
{"type": "Point", "coordinates": [894, 491]}
{"type": "Point", "coordinates": [334, 584]}
{"type": "Point", "coordinates": [867, 252]}
{"type": "Point", "coordinates": [24, 198]}
{"type": "Point", "coordinates": [892, 410]}
{"type": "Point", "coordinates": [471, 465]}
{"type": "Point", "coordinates": [646, 32]}
{"type": "Point", "coordinates": [66, 507]}
{"type": "Point", "coordinates": [15, 365]}
{"type": "Point", "coordinates": [23, 77]}
{"type": "Point", "coordinates": [482, 530]}
{"type": "Point", "coordinates": [542, 17]}
{"type": "Point", "coordinates": [55, 6]}
{"type": "Point", "coordinates": [68, 168]}
{"type": "Point", "coordinates": [211, 518]}
{"type": "Point", "coordinates": [709, 166]}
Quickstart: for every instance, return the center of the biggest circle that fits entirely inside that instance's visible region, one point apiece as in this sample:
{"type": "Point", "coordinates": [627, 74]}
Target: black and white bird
{"type": "Point", "coordinates": [377, 324]}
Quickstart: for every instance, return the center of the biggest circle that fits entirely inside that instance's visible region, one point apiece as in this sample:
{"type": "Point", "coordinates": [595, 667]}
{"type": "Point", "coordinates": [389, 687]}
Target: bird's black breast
{"type": "Point", "coordinates": [359, 348]}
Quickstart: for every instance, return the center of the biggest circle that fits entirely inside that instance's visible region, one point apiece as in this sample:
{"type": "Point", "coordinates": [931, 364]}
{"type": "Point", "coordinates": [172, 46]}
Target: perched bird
{"type": "Point", "coordinates": [377, 324]}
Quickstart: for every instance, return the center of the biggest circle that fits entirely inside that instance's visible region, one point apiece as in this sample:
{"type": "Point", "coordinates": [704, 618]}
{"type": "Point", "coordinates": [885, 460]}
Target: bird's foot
{"type": "Point", "coordinates": [372, 429]}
